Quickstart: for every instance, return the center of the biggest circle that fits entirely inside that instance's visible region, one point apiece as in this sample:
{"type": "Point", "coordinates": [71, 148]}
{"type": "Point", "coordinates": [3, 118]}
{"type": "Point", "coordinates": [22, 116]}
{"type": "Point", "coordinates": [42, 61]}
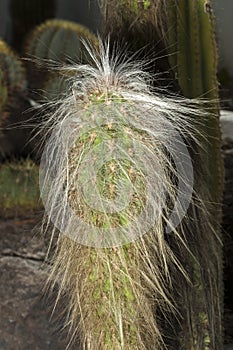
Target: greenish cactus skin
{"type": "Point", "coordinates": [12, 81]}
{"type": "Point", "coordinates": [59, 41]}
{"type": "Point", "coordinates": [193, 57]}
{"type": "Point", "coordinates": [19, 188]}
{"type": "Point", "coordinates": [27, 14]}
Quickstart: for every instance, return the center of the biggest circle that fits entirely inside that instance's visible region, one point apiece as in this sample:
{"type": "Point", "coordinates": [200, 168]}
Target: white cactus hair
{"type": "Point", "coordinates": [118, 294]}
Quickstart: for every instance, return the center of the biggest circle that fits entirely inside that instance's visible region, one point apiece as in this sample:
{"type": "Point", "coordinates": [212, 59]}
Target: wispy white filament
{"type": "Point", "coordinates": [116, 179]}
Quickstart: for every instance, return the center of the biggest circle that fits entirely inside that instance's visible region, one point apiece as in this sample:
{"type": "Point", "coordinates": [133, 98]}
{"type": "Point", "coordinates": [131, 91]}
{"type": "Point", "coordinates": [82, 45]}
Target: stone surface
{"type": "Point", "coordinates": [226, 121]}
{"type": "Point", "coordinates": [25, 310]}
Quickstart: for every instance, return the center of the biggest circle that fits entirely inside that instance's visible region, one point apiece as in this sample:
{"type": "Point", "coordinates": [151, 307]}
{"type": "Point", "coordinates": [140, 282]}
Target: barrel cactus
{"type": "Point", "coordinates": [110, 181]}
{"type": "Point", "coordinates": [58, 40]}
{"type": "Point", "coordinates": [53, 43]}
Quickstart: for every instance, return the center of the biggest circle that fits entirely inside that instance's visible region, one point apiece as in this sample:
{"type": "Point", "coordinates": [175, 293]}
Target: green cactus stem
{"type": "Point", "coordinates": [19, 188]}
{"type": "Point", "coordinates": [193, 57]}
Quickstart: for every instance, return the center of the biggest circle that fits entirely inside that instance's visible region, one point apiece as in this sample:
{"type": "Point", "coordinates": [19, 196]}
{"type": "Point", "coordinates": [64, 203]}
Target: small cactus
{"type": "Point", "coordinates": [19, 188]}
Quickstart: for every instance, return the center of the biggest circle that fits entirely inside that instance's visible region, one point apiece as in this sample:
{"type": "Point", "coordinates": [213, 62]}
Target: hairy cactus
{"type": "Point", "coordinates": [19, 188]}
{"type": "Point", "coordinates": [27, 14]}
{"type": "Point", "coordinates": [110, 176]}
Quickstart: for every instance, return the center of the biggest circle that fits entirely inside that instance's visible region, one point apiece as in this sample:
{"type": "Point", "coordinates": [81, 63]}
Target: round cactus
{"type": "Point", "coordinates": [58, 40]}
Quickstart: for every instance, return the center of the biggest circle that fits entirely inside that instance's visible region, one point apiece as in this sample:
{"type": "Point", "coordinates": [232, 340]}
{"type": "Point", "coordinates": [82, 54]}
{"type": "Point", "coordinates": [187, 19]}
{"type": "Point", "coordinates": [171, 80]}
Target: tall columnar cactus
{"type": "Point", "coordinates": [27, 14]}
{"type": "Point", "coordinates": [116, 180]}
{"type": "Point", "coordinates": [187, 29]}
{"type": "Point", "coordinates": [12, 88]}
{"type": "Point", "coordinates": [193, 56]}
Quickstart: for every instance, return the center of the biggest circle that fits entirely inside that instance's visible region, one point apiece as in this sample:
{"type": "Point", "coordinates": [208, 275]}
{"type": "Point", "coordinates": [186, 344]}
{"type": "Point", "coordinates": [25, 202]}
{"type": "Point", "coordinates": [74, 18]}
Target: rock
{"type": "Point", "coordinates": [21, 237]}
{"type": "Point", "coordinates": [25, 321]}
{"type": "Point", "coordinates": [226, 121]}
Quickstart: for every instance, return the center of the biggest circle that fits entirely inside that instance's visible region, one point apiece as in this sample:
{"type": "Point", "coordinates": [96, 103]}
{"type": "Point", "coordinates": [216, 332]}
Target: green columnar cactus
{"type": "Point", "coordinates": [141, 25]}
{"type": "Point", "coordinates": [19, 188]}
{"type": "Point", "coordinates": [12, 87]}
{"type": "Point", "coordinates": [193, 56]}
{"type": "Point", "coordinates": [124, 19]}
{"type": "Point", "coordinates": [27, 14]}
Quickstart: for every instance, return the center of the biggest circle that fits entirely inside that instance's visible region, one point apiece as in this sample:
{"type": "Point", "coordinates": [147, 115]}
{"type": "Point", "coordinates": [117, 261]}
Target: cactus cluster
{"type": "Point", "coordinates": [55, 39]}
